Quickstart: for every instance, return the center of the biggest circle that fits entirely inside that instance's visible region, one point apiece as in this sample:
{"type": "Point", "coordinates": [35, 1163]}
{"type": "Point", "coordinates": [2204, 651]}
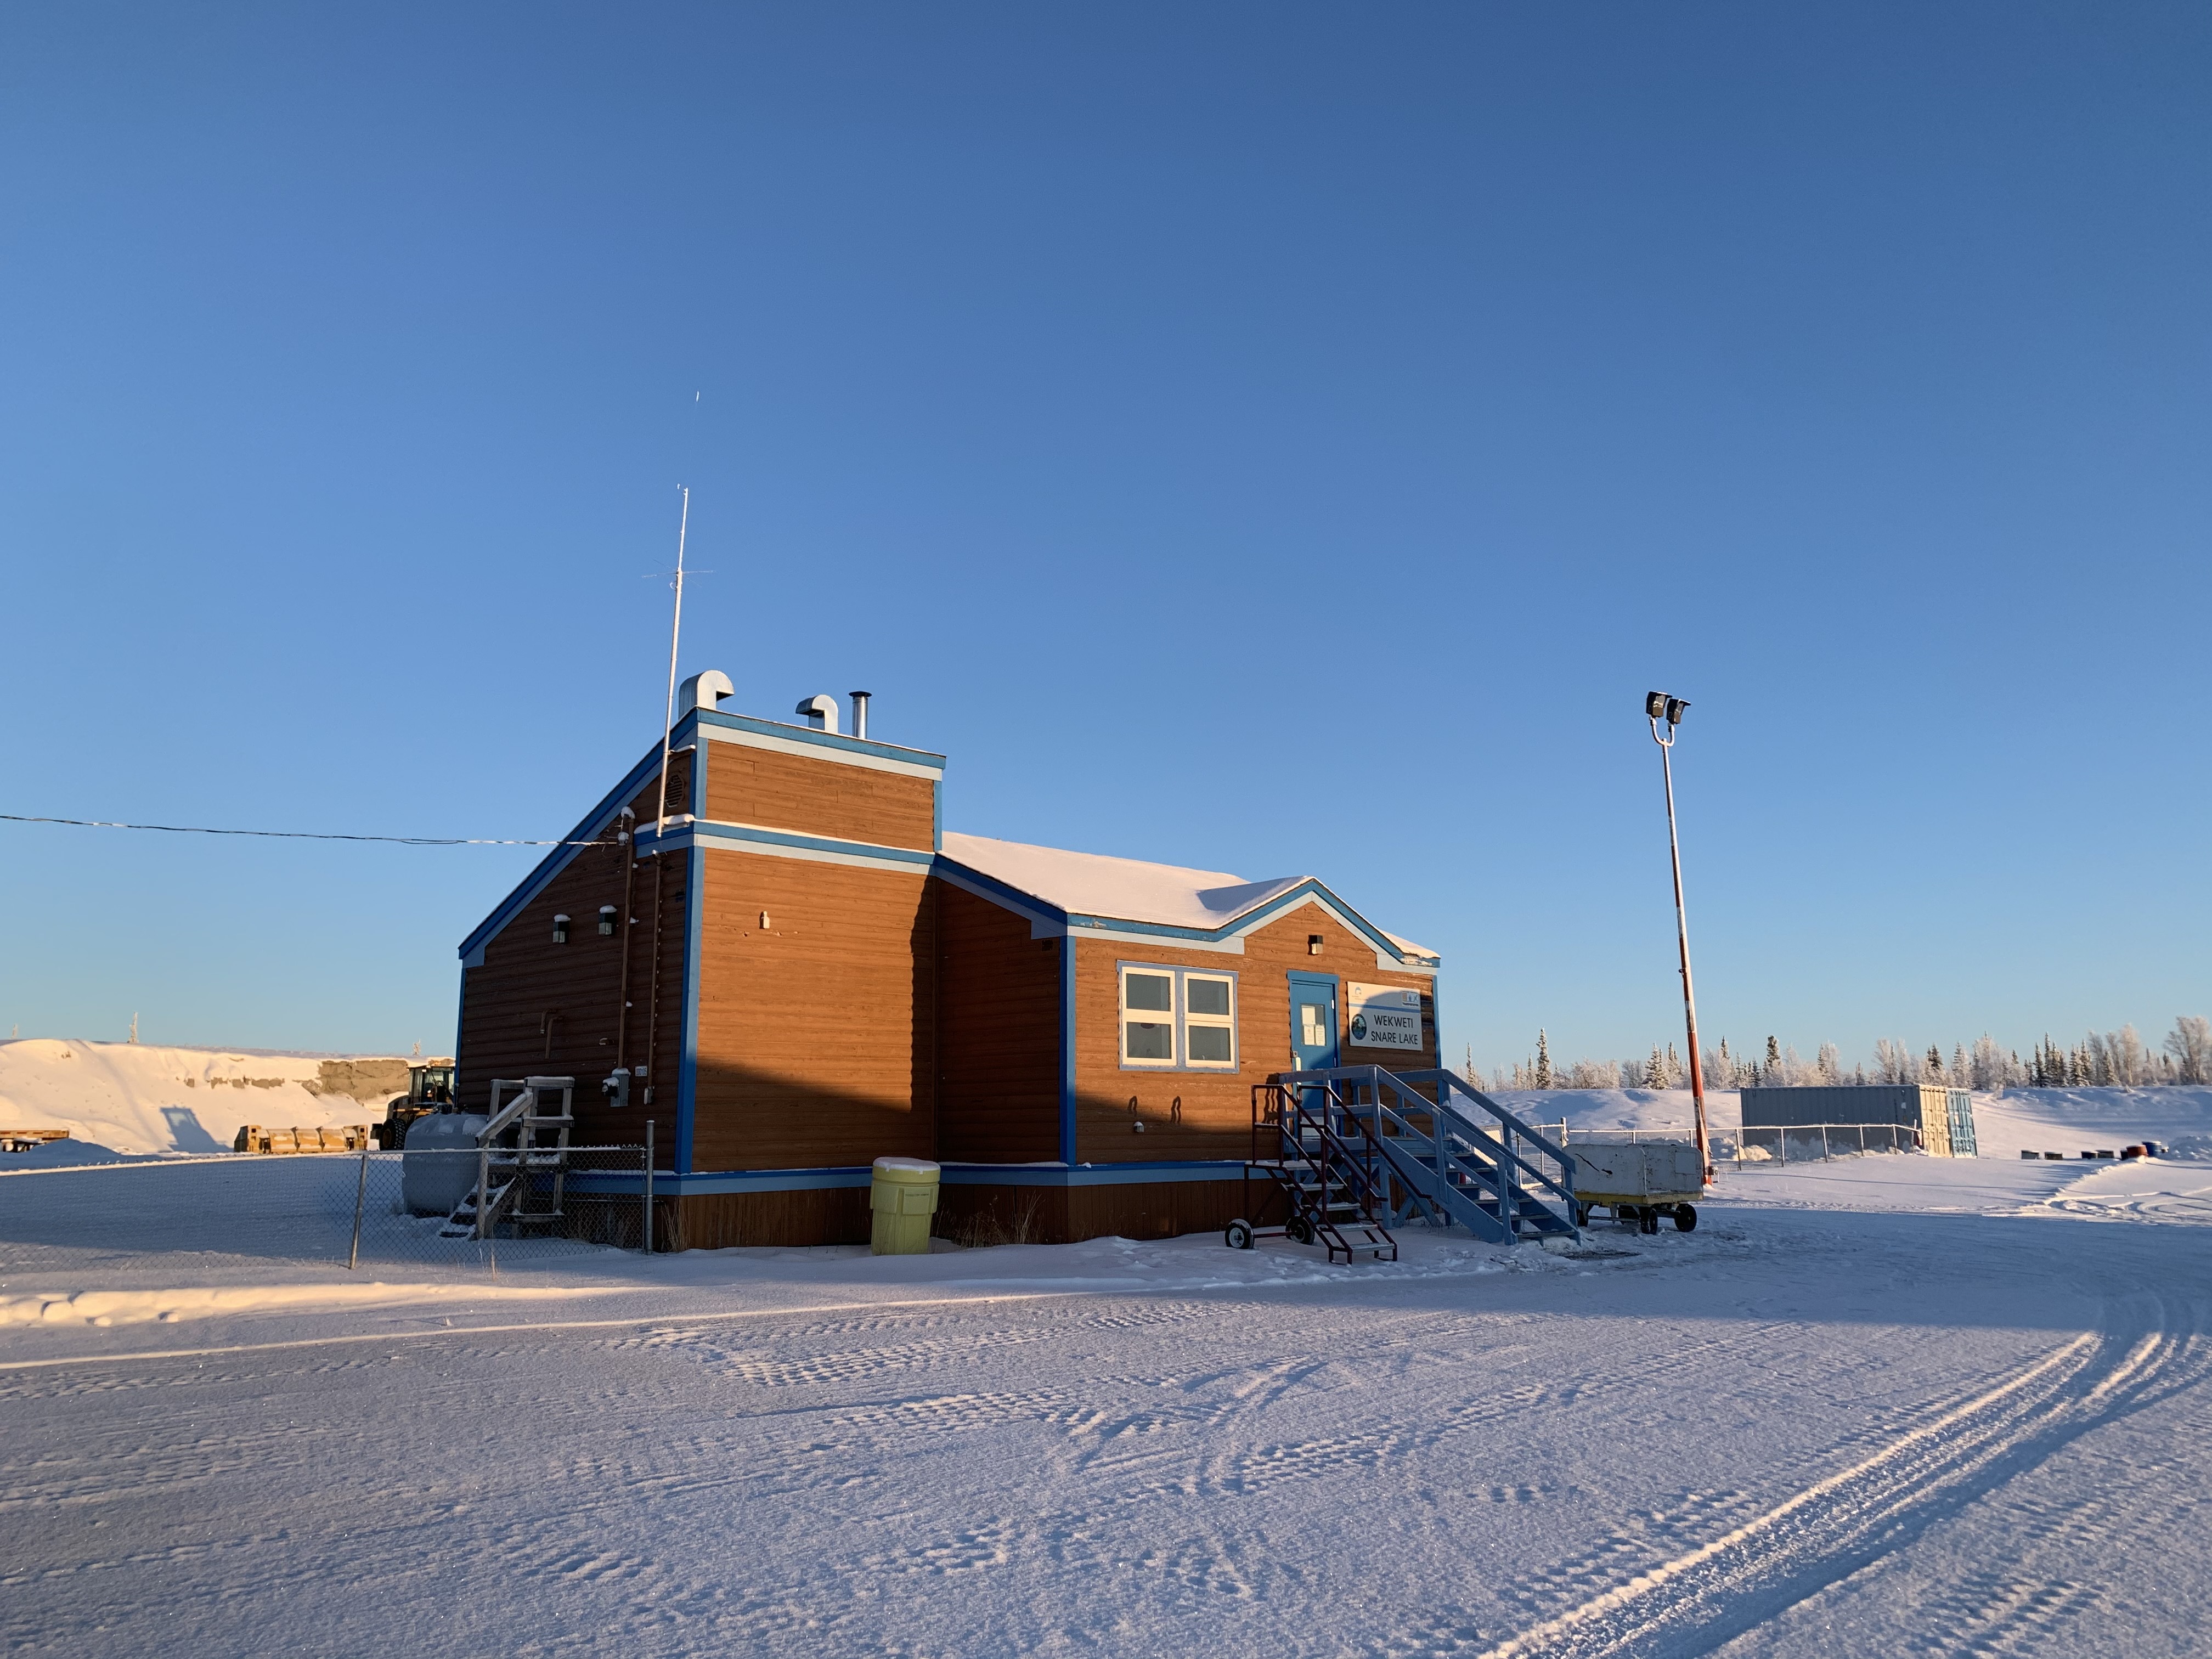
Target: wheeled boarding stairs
{"type": "Point", "coordinates": [1356, 1150]}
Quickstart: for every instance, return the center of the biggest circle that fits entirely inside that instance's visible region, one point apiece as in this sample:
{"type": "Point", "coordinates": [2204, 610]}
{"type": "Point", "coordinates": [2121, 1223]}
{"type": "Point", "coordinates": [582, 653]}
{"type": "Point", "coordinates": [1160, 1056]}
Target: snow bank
{"type": "Point", "coordinates": [139, 1307]}
{"type": "Point", "coordinates": [2073, 1121]}
{"type": "Point", "coordinates": [2068, 1120]}
{"type": "Point", "coordinates": [1650, 1110]}
{"type": "Point", "coordinates": [135, 1097]}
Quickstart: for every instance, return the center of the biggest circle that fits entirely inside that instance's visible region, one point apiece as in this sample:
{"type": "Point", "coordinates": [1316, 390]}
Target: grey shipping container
{"type": "Point", "coordinates": [1943, 1117]}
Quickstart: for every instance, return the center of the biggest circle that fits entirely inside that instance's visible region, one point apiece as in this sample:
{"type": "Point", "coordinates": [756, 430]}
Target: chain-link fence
{"type": "Point", "coordinates": [465, 1207]}
{"type": "Point", "coordinates": [1808, 1143]}
{"type": "Point", "coordinates": [199, 1214]}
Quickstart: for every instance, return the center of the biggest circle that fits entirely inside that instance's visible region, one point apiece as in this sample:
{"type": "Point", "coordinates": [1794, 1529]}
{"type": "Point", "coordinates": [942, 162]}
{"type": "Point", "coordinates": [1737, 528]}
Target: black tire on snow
{"type": "Point", "coordinates": [1686, 1218]}
{"type": "Point", "coordinates": [1237, 1235]}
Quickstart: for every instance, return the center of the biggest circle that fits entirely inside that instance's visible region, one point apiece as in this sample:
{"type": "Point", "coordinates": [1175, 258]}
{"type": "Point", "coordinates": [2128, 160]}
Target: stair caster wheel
{"type": "Point", "coordinates": [1237, 1235]}
{"type": "Point", "coordinates": [1298, 1229]}
{"type": "Point", "coordinates": [1686, 1218]}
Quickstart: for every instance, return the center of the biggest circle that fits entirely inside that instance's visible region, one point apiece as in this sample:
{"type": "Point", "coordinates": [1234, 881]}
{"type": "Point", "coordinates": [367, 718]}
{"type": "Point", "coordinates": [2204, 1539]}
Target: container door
{"type": "Point", "coordinates": [1313, 1021]}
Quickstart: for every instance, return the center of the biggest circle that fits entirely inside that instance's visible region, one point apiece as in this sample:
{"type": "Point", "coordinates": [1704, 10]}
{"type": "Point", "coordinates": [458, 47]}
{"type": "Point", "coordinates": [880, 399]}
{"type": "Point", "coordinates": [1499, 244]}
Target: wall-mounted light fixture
{"type": "Point", "coordinates": [560, 930]}
{"type": "Point", "coordinates": [607, 921]}
{"type": "Point", "coordinates": [1313, 945]}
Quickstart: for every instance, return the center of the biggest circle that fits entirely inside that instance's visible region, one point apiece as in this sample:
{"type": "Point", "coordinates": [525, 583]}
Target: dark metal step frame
{"type": "Point", "coordinates": [1446, 1160]}
{"type": "Point", "coordinates": [1327, 1165]}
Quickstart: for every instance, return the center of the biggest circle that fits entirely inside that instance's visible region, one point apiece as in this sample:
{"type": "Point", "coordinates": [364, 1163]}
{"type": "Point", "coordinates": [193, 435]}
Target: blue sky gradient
{"type": "Point", "coordinates": [1275, 438]}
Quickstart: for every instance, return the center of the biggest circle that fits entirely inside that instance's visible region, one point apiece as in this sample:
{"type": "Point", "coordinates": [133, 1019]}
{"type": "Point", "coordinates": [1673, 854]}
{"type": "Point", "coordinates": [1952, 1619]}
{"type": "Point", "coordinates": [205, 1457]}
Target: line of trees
{"type": "Point", "coordinates": [2103, 1058]}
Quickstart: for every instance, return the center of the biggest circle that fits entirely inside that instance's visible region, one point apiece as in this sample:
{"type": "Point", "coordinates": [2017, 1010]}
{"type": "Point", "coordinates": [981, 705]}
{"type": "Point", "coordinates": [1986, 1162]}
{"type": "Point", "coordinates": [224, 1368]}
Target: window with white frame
{"type": "Point", "coordinates": [1209, 1020]}
{"type": "Point", "coordinates": [1178, 1019]}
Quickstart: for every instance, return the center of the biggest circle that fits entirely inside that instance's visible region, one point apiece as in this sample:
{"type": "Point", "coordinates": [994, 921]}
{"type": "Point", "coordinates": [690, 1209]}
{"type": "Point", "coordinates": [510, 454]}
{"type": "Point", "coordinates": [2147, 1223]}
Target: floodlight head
{"type": "Point", "coordinates": [1654, 705]}
{"type": "Point", "coordinates": [1674, 707]}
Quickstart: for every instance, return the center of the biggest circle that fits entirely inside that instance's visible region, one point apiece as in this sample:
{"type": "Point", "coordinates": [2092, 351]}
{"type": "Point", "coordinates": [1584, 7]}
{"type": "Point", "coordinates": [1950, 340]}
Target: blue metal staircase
{"type": "Point", "coordinates": [1451, 1154]}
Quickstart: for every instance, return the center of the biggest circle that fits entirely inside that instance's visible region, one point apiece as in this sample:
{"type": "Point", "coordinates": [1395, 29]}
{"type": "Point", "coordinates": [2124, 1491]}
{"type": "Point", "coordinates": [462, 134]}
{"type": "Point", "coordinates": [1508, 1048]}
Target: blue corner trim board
{"type": "Point", "coordinates": [593, 824]}
{"type": "Point", "coordinates": [687, 1087]}
{"type": "Point", "coordinates": [1067, 949]}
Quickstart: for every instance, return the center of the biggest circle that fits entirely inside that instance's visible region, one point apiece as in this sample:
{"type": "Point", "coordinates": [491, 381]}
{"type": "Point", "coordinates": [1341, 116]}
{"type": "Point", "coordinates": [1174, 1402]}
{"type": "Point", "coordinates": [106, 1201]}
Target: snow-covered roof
{"type": "Point", "coordinates": [1406, 947]}
{"type": "Point", "coordinates": [1129, 890]}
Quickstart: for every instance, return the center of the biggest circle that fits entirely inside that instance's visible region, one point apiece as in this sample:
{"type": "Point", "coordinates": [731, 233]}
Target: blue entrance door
{"type": "Point", "coordinates": [1313, 1021]}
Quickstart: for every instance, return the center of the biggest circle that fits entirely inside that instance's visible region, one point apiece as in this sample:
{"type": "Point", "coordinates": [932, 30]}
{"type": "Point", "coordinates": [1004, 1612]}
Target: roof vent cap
{"type": "Point", "coordinates": [703, 691]}
{"type": "Point", "coordinates": [821, 712]}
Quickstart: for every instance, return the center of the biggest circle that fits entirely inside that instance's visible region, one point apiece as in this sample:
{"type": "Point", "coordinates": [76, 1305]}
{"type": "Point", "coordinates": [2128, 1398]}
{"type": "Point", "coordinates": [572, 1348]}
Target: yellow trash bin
{"type": "Point", "coordinates": [903, 1196]}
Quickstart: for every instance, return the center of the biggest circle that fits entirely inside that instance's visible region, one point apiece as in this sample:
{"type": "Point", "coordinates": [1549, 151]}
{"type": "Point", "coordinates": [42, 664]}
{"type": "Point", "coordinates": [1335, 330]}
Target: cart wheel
{"type": "Point", "coordinates": [1627, 1216]}
{"type": "Point", "coordinates": [1298, 1229]}
{"type": "Point", "coordinates": [1582, 1215]}
{"type": "Point", "coordinates": [1686, 1218]}
{"type": "Point", "coordinates": [1238, 1235]}
{"type": "Point", "coordinates": [1650, 1217]}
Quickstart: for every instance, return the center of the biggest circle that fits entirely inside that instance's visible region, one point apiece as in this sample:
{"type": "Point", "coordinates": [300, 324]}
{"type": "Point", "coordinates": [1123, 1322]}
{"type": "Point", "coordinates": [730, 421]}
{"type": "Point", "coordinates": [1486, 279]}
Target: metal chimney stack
{"type": "Point", "coordinates": [861, 713]}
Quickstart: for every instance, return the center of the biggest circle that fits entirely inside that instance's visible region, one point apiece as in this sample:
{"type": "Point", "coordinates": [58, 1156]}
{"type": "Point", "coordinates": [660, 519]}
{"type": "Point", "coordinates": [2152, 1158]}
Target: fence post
{"type": "Point", "coordinates": [1824, 1143]}
{"type": "Point", "coordinates": [360, 1194]}
{"type": "Point", "coordinates": [649, 1185]}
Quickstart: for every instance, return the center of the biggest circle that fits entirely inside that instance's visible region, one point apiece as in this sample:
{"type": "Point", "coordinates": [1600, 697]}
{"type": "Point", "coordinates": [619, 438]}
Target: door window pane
{"type": "Point", "coordinates": [1314, 1027]}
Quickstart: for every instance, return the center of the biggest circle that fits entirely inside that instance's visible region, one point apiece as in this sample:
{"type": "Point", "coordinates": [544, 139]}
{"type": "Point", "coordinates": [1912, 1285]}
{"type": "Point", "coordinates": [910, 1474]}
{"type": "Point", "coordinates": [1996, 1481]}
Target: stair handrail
{"type": "Point", "coordinates": [508, 1115]}
{"type": "Point", "coordinates": [1379, 1077]}
{"type": "Point", "coordinates": [1362, 1160]}
{"type": "Point", "coordinates": [1450, 1080]}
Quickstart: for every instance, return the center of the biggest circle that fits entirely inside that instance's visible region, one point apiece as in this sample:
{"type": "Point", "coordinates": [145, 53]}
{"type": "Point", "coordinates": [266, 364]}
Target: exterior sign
{"type": "Point", "coordinates": [1384, 1015]}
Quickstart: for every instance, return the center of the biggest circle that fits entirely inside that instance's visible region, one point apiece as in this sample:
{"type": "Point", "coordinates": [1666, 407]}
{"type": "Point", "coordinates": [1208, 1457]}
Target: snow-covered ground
{"type": "Point", "coordinates": [138, 1098]}
{"type": "Point", "coordinates": [1889, 1405]}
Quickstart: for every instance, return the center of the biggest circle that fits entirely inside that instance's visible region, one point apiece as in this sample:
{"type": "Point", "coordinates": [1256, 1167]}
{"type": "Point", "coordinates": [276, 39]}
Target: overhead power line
{"type": "Point", "coordinates": [299, 835]}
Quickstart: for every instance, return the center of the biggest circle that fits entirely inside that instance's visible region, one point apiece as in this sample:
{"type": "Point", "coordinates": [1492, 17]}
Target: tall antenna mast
{"type": "Point", "coordinates": [675, 632]}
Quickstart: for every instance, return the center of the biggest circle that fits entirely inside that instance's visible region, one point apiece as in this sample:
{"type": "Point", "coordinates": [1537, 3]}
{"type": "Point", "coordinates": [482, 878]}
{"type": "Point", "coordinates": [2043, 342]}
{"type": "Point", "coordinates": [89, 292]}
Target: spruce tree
{"type": "Point", "coordinates": [1935, 1067]}
{"type": "Point", "coordinates": [1543, 1060]}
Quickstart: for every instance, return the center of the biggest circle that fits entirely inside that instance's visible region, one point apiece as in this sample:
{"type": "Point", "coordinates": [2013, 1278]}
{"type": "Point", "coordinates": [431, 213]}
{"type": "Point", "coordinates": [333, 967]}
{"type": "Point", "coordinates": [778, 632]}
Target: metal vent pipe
{"type": "Point", "coordinates": [861, 713]}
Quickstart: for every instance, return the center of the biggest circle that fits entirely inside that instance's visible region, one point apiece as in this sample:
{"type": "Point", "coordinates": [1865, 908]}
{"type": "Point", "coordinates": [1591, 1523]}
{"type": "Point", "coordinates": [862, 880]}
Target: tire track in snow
{"type": "Point", "coordinates": [1259, 1467]}
{"type": "Point", "coordinates": [1819, 1532]}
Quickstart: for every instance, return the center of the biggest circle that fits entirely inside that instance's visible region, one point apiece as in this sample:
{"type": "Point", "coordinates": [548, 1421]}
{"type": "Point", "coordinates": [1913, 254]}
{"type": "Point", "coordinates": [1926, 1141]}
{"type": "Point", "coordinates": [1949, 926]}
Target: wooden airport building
{"type": "Point", "coordinates": [804, 971]}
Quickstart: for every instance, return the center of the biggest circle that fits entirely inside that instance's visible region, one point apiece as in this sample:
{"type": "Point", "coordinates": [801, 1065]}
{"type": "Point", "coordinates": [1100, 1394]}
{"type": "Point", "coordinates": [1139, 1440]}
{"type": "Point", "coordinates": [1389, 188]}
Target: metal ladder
{"type": "Point", "coordinates": [1327, 1165]}
{"type": "Point", "coordinates": [521, 1185]}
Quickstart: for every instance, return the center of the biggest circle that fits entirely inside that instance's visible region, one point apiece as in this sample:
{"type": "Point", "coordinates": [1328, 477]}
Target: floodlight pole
{"type": "Point", "coordinates": [1671, 712]}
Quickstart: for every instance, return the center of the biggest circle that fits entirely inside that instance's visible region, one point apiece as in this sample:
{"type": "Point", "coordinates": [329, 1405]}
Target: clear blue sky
{"type": "Point", "coordinates": [1274, 439]}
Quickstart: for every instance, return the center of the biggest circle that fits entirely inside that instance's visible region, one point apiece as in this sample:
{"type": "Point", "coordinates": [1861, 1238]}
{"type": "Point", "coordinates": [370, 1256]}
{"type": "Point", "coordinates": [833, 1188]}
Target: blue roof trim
{"type": "Point", "coordinates": [1289, 898]}
{"type": "Point", "coordinates": [703, 830]}
{"type": "Point", "coordinates": [971, 875]}
{"type": "Point", "coordinates": [807, 734]}
{"type": "Point", "coordinates": [666, 1184]}
{"type": "Point", "coordinates": [1243, 922]}
{"type": "Point", "coordinates": [559, 858]}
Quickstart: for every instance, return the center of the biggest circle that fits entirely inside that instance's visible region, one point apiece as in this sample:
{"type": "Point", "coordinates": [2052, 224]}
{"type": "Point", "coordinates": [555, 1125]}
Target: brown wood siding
{"type": "Point", "coordinates": [1214, 1117]}
{"type": "Point", "coordinates": [1062, 1215]}
{"type": "Point", "coordinates": [720, 1221]}
{"type": "Point", "coordinates": [998, 1022]}
{"type": "Point", "coordinates": [536, 1008]}
{"type": "Point", "coordinates": [816, 1032]}
{"type": "Point", "coordinates": [819, 797]}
